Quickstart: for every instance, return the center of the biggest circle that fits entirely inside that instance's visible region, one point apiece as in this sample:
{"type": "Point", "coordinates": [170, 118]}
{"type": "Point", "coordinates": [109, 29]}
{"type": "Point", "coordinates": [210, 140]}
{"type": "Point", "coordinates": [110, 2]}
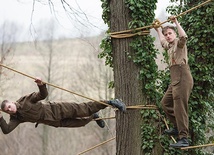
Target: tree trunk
{"type": "Point", "coordinates": [127, 85]}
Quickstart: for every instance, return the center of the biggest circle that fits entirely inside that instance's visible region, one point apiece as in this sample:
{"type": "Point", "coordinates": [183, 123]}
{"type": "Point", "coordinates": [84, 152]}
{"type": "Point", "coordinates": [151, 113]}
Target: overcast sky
{"type": "Point", "coordinates": [69, 24]}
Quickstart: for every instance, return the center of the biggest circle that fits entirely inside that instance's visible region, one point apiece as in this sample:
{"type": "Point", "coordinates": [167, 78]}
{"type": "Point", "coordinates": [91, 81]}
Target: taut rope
{"type": "Point", "coordinates": [54, 85]}
{"type": "Point", "coordinates": [129, 33]}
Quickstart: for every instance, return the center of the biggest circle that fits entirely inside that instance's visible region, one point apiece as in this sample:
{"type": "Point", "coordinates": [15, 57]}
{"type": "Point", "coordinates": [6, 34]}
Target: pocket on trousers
{"type": "Point", "coordinates": [176, 90]}
{"type": "Point", "coordinates": [174, 83]}
{"type": "Point", "coordinates": [175, 75]}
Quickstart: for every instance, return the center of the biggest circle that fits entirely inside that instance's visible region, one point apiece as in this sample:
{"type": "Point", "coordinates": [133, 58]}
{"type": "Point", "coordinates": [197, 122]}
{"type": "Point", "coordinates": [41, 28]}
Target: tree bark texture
{"type": "Point", "coordinates": [127, 85]}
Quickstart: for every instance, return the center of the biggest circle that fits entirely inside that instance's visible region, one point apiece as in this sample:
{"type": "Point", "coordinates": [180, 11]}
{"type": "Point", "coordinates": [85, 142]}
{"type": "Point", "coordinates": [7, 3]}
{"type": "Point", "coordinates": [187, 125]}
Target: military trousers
{"type": "Point", "coordinates": [175, 100]}
{"type": "Point", "coordinates": [70, 114]}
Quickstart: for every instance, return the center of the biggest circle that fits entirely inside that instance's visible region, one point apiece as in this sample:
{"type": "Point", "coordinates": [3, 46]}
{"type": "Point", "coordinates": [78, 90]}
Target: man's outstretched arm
{"type": "Point", "coordinates": [7, 128]}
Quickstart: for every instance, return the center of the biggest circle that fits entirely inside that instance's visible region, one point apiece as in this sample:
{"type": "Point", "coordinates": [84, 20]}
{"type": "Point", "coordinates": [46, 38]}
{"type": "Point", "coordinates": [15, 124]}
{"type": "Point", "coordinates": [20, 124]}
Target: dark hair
{"type": "Point", "coordinates": [3, 104]}
{"type": "Point", "coordinates": [168, 27]}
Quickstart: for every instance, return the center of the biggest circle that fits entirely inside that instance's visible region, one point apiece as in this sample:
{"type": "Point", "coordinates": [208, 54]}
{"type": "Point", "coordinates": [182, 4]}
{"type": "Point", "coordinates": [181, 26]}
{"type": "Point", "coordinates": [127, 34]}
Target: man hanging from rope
{"type": "Point", "coordinates": [175, 100]}
{"type": "Point", "coordinates": [30, 108]}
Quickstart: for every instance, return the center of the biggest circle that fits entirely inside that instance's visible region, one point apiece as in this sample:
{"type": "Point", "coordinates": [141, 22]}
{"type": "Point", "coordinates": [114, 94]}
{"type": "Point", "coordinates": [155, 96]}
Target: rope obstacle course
{"type": "Point", "coordinates": [125, 34]}
{"type": "Point", "coordinates": [143, 107]}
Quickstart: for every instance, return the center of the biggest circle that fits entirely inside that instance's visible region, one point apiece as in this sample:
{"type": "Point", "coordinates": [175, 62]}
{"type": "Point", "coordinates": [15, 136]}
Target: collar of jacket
{"type": "Point", "coordinates": [17, 105]}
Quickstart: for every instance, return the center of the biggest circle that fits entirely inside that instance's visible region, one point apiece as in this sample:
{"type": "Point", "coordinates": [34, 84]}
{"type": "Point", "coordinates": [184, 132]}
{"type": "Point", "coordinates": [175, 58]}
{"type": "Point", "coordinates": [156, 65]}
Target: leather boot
{"type": "Point", "coordinates": [183, 142]}
{"type": "Point", "coordinates": [100, 122]}
{"type": "Point", "coordinates": [172, 131]}
{"type": "Point", "coordinates": [118, 104]}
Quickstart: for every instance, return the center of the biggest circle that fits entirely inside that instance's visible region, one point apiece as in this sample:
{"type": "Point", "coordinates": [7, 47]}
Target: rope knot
{"type": "Point", "coordinates": [156, 24]}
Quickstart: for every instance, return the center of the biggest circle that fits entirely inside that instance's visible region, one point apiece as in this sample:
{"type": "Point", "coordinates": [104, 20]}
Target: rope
{"type": "Point", "coordinates": [129, 107]}
{"type": "Point", "coordinates": [97, 146]}
{"type": "Point", "coordinates": [155, 24]}
{"type": "Point", "coordinates": [128, 35]}
{"type": "Point", "coordinates": [55, 85]}
{"type": "Point", "coordinates": [143, 107]}
{"type": "Point", "coordinates": [168, 129]}
{"type": "Point", "coordinates": [187, 11]}
{"type": "Point", "coordinates": [102, 118]}
{"type": "Point", "coordinates": [131, 30]}
{"type": "Point", "coordinates": [197, 146]}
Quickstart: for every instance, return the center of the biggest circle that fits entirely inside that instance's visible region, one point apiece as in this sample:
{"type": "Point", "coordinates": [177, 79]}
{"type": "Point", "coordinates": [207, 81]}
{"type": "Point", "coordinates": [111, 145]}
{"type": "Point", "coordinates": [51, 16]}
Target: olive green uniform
{"type": "Point", "coordinates": [175, 100]}
{"type": "Point", "coordinates": [30, 108]}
